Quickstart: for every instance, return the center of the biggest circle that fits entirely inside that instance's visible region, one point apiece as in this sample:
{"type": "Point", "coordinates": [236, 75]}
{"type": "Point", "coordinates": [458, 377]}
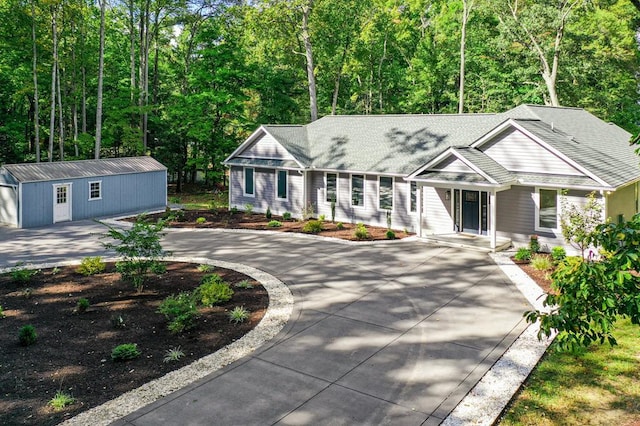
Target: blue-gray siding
{"type": "Point", "coordinates": [265, 192]}
{"type": "Point", "coordinates": [120, 194]}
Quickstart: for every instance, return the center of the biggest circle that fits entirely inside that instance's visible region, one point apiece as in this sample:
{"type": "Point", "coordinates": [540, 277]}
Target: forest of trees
{"type": "Point", "coordinates": [187, 80]}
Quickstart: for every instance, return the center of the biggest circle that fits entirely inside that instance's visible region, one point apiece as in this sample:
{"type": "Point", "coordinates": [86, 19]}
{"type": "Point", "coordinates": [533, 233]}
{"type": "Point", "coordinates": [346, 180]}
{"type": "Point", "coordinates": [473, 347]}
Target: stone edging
{"type": "Point", "coordinates": [489, 397]}
{"type": "Point", "coordinates": [277, 315]}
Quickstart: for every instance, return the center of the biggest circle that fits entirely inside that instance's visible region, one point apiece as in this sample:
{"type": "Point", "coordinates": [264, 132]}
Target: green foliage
{"type": "Point", "coordinates": [361, 232]}
{"type": "Point", "coordinates": [286, 216]}
{"type": "Point", "coordinates": [180, 311]}
{"type": "Point", "coordinates": [333, 210]}
{"type": "Point", "coordinates": [321, 218]}
{"type": "Point", "coordinates": [174, 200]}
{"type": "Point", "coordinates": [238, 314]}
{"type": "Point", "coordinates": [523, 254]}
{"type": "Point", "coordinates": [541, 262]}
{"type": "Point", "coordinates": [213, 290]}
{"type": "Point", "coordinates": [274, 224]}
{"type": "Point", "coordinates": [268, 213]}
{"type": "Point", "coordinates": [201, 220]}
{"type": "Point", "coordinates": [139, 247]}
{"type": "Point", "coordinates": [244, 284]}
{"type": "Point", "coordinates": [61, 400]}
{"type": "Point", "coordinates": [579, 223]}
{"type": "Point", "coordinates": [91, 266]}
{"type": "Point", "coordinates": [307, 212]}
{"type": "Point", "coordinates": [204, 268]}
{"type": "Point", "coordinates": [82, 305]}
{"type": "Point", "coordinates": [390, 235]}
{"type": "Point", "coordinates": [534, 244]}
{"type": "Point", "coordinates": [558, 254]}
{"type": "Point", "coordinates": [312, 227]}
{"type": "Point", "coordinates": [158, 268]}
{"type": "Point", "coordinates": [125, 352]}
{"type": "Point", "coordinates": [248, 208]}
{"type": "Point", "coordinates": [173, 215]}
{"type": "Point", "coordinates": [22, 275]}
{"type": "Point", "coordinates": [2, 314]}
{"type": "Point", "coordinates": [172, 355]}
{"type": "Point", "coordinates": [27, 335]}
{"type": "Point", "coordinates": [340, 226]}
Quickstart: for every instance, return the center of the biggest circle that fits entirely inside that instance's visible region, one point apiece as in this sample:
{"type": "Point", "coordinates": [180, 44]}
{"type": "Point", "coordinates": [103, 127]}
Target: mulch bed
{"type": "Point", "coordinates": [73, 350]}
{"type": "Point", "coordinates": [542, 278]}
{"type": "Point", "coordinates": [226, 219]}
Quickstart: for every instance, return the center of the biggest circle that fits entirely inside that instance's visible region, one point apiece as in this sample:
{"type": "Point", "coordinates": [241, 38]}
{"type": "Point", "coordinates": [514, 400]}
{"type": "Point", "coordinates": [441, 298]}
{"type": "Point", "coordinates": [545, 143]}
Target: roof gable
{"type": "Point", "coordinates": [273, 146]}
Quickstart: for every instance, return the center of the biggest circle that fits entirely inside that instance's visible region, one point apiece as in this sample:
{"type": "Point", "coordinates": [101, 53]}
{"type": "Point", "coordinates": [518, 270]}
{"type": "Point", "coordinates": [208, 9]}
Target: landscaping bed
{"type": "Point", "coordinates": [227, 219]}
{"type": "Point", "coordinates": [73, 350]}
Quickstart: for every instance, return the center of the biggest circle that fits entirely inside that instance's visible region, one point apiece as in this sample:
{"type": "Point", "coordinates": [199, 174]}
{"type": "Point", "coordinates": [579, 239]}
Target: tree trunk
{"type": "Point", "coordinates": [132, 51]}
{"type": "Point", "coordinates": [336, 86]}
{"type": "Point", "coordinates": [313, 98]}
{"type": "Point", "coordinates": [36, 112]}
{"type": "Point", "coordinates": [466, 11]}
{"type": "Point", "coordinates": [54, 67]}
{"type": "Point", "coordinates": [100, 77]}
{"type": "Point", "coordinates": [60, 118]}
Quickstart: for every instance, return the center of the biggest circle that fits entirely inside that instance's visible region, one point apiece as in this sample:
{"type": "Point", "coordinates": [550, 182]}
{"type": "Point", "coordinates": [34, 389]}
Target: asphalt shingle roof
{"type": "Point", "coordinates": [488, 165]}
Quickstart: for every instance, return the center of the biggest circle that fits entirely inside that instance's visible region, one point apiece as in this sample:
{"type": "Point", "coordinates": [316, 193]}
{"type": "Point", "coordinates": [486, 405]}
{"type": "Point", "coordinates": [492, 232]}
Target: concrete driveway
{"type": "Point", "coordinates": [392, 333]}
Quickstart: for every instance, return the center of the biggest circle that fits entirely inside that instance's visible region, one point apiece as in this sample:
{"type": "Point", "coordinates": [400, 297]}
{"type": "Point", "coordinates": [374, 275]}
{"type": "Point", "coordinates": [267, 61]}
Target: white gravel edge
{"type": "Point", "coordinates": [486, 401]}
{"type": "Point", "coordinates": [277, 315]}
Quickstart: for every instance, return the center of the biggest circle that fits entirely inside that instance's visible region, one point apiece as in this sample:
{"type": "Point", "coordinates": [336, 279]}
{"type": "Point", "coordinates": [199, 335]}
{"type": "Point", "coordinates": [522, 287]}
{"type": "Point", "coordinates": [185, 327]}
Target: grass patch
{"type": "Point", "coordinates": [203, 200]}
{"type": "Point", "coordinates": [600, 385]}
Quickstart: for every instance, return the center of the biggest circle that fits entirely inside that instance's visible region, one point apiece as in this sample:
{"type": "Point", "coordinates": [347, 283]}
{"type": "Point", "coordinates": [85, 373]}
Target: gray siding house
{"type": "Point", "coordinates": [502, 175]}
{"type": "Point", "coordinates": [38, 194]}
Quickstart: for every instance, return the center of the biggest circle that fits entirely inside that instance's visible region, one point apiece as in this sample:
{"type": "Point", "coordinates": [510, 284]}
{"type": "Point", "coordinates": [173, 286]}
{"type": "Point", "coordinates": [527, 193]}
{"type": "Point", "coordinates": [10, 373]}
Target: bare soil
{"type": "Point", "coordinates": [226, 219]}
{"type": "Point", "coordinates": [542, 278]}
{"type": "Point", "coordinates": [73, 350]}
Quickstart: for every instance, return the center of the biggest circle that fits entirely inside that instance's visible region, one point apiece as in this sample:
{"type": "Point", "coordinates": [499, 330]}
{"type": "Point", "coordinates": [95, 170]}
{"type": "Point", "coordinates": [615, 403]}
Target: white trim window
{"type": "Point", "coordinates": [547, 209]}
{"type": "Point", "coordinates": [331, 187]}
{"type": "Point", "coordinates": [95, 190]}
{"type": "Point", "coordinates": [413, 196]}
{"type": "Point", "coordinates": [385, 193]}
{"type": "Point", "coordinates": [282, 186]}
{"type": "Point", "coordinates": [357, 190]}
{"type": "Point", "coordinates": [249, 184]}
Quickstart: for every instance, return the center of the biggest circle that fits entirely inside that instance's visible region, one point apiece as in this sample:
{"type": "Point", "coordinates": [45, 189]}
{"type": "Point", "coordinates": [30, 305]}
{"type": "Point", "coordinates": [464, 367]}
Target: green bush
{"type": "Point", "coordinates": [340, 226]}
{"type": "Point", "coordinates": [321, 218]}
{"type": "Point", "coordinates": [248, 208]}
{"type": "Point", "coordinates": [244, 284]}
{"type": "Point", "coordinates": [173, 215]}
{"type": "Point", "coordinates": [22, 275]}
{"type": "Point", "coordinates": [286, 216]}
{"type": "Point", "coordinates": [312, 227]}
{"type": "Point", "coordinates": [268, 214]}
{"type": "Point", "coordinates": [27, 335]}
{"type": "Point", "coordinates": [534, 244]}
{"type": "Point", "coordinates": [238, 314]}
{"type": "Point", "coordinates": [541, 262]}
{"type": "Point", "coordinates": [523, 254]}
{"type": "Point", "coordinates": [213, 290]}
{"type": "Point", "coordinates": [173, 354]}
{"type": "Point", "coordinates": [125, 352]}
{"type": "Point", "coordinates": [558, 254]}
{"type": "Point", "coordinates": [82, 305]}
{"type": "Point", "coordinates": [391, 235]}
{"type": "Point", "coordinates": [274, 224]}
{"type": "Point", "coordinates": [61, 400]}
{"type": "Point", "coordinates": [91, 266]}
{"type": "Point", "coordinates": [201, 220]}
{"type": "Point", "coordinates": [361, 232]}
{"type": "Point", "coordinates": [180, 311]}
{"type": "Point", "coordinates": [2, 314]}
{"type": "Point", "coordinates": [204, 267]}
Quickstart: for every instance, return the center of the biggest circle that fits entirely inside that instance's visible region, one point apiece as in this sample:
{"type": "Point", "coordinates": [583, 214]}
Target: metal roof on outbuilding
{"type": "Point", "coordinates": [38, 172]}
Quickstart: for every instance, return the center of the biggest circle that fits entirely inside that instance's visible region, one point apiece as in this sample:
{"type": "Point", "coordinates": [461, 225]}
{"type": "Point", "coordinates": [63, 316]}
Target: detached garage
{"type": "Point", "coordinates": [38, 194]}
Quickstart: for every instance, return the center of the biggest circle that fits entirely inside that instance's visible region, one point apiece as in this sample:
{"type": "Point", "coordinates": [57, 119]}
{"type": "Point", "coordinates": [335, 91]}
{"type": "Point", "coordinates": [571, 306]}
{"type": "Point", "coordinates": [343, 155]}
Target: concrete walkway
{"type": "Point", "coordinates": [380, 334]}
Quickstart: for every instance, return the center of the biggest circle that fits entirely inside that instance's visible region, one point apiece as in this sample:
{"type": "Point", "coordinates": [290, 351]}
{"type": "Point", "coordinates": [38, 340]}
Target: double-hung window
{"type": "Point", "coordinates": [547, 209]}
{"type": "Point", "coordinates": [249, 182]}
{"type": "Point", "coordinates": [385, 193]}
{"type": "Point", "coordinates": [331, 187]}
{"type": "Point", "coordinates": [357, 190]}
{"type": "Point", "coordinates": [281, 184]}
{"type": "Point", "coordinates": [95, 190]}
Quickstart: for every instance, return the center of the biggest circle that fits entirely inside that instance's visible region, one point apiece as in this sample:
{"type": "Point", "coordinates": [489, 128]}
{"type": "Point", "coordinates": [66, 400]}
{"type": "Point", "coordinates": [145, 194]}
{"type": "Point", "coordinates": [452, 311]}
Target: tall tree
{"type": "Point", "coordinates": [98, 141]}
{"type": "Point", "coordinates": [467, 7]}
{"type": "Point", "coordinates": [36, 101]}
{"type": "Point", "coordinates": [54, 69]}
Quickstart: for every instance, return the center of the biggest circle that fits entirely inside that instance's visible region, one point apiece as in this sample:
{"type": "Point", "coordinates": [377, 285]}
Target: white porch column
{"type": "Point", "coordinates": [492, 215]}
{"type": "Point", "coordinates": [419, 209]}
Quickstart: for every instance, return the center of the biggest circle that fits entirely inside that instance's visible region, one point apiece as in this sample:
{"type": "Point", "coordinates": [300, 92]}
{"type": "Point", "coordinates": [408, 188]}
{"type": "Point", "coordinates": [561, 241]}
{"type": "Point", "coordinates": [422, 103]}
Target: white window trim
{"type": "Point", "coordinates": [326, 192]}
{"type": "Point", "coordinates": [536, 200]}
{"type": "Point", "coordinates": [364, 190]}
{"type": "Point", "coordinates": [393, 194]}
{"type": "Point", "coordinates": [244, 183]}
{"type": "Point", "coordinates": [409, 197]}
{"type": "Point", "coordinates": [286, 186]}
{"type": "Point", "coordinates": [99, 197]}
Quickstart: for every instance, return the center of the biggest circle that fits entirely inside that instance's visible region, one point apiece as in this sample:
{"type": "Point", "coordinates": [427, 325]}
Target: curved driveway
{"type": "Point", "coordinates": [392, 333]}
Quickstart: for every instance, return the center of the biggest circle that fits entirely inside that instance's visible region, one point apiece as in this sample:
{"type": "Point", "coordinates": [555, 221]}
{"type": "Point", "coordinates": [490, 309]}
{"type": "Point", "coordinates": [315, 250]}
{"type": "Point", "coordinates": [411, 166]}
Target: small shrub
{"type": "Point", "coordinates": [391, 235]}
{"type": "Point", "coordinates": [213, 290]}
{"type": "Point", "coordinates": [361, 232]}
{"type": "Point", "coordinates": [274, 224]}
{"type": "Point", "coordinates": [91, 266]}
{"type": "Point", "coordinates": [268, 214]}
{"type": "Point", "coordinates": [180, 311]}
{"type": "Point", "coordinates": [201, 220]}
{"type": "Point", "coordinates": [340, 226]}
{"type": "Point", "coordinates": [312, 227]}
{"type": "Point", "coordinates": [321, 218]}
{"type": "Point", "coordinates": [523, 254]}
{"type": "Point", "coordinates": [558, 254]}
{"type": "Point", "coordinates": [244, 284]}
{"type": "Point", "coordinates": [61, 400]}
{"type": "Point", "coordinates": [82, 305]}
{"type": "Point", "coordinates": [173, 354]}
{"type": "Point", "coordinates": [22, 275]}
{"type": "Point", "coordinates": [333, 209]}
{"type": "Point", "coordinates": [125, 352]}
{"type": "Point", "coordinates": [541, 262]}
{"type": "Point", "coordinates": [2, 314]}
{"type": "Point", "coordinates": [307, 211]}
{"type": "Point", "coordinates": [173, 215]}
{"type": "Point", "coordinates": [118, 321]}
{"type": "Point", "coordinates": [158, 268]}
{"type": "Point", "coordinates": [27, 335]}
{"type": "Point", "coordinates": [204, 268]}
{"type": "Point", "coordinates": [534, 244]}
{"type": "Point", "coordinates": [55, 271]}
{"type": "Point", "coordinates": [286, 216]}
{"type": "Point", "coordinates": [238, 314]}
{"type": "Point", "coordinates": [248, 208]}
{"type": "Point", "coordinates": [233, 210]}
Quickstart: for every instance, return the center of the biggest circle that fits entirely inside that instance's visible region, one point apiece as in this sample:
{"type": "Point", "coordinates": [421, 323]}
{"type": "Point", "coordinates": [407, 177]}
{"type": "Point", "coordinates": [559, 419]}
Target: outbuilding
{"type": "Point", "coordinates": [39, 194]}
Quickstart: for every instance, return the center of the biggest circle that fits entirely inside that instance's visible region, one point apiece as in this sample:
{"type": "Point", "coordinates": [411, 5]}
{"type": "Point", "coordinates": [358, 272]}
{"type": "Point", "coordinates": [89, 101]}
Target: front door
{"type": "Point", "coordinates": [61, 202]}
{"type": "Point", "coordinates": [470, 211]}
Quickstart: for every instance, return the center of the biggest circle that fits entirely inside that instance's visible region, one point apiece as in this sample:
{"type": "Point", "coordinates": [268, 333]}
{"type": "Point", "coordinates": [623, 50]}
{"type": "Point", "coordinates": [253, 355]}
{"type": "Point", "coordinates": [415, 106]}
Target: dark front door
{"type": "Point", "coordinates": [471, 211]}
